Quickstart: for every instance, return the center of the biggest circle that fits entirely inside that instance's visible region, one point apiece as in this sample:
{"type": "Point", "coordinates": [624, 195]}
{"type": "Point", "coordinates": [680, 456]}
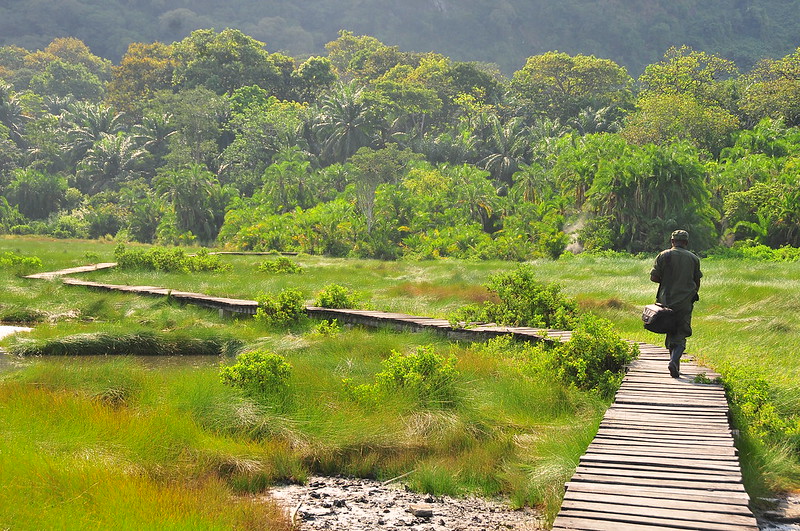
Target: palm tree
{"type": "Point", "coordinates": [345, 124]}
{"type": "Point", "coordinates": [197, 198]}
{"type": "Point", "coordinates": [475, 193]}
{"type": "Point", "coordinates": [11, 116]}
{"type": "Point", "coordinates": [286, 180]}
{"type": "Point", "coordinates": [506, 146]}
{"type": "Point", "coordinates": [153, 134]}
{"type": "Point", "coordinates": [86, 123]}
{"type": "Point", "coordinates": [111, 160]}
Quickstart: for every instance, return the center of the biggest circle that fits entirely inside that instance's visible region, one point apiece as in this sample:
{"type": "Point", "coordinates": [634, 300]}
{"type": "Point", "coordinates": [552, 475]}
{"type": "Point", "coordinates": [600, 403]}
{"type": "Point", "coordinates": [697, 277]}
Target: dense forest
{"type": "Point", "coordinates": [632, 33]}
{"type": "Point", "coordinates": [369, 150]}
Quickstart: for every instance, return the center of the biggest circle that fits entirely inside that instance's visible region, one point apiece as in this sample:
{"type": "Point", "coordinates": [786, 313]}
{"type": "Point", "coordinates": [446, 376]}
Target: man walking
{"type": "Point", "coordinates": [677, 271]}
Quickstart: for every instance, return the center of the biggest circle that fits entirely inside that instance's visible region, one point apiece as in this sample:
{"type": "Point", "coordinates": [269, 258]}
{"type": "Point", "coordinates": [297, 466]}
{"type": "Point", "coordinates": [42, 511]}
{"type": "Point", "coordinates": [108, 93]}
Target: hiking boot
{"type": "Point", "coordinates": [673, 370]}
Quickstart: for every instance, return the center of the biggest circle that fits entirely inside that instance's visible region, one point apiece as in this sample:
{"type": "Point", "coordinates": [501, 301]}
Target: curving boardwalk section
{"type": "Point", "coordinates": [663, 457]}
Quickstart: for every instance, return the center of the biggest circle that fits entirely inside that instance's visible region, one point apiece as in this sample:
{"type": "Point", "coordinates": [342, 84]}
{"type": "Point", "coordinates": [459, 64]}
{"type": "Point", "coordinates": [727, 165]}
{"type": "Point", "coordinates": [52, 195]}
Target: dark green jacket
{"type": "Point", "coordinates": [679, 272]}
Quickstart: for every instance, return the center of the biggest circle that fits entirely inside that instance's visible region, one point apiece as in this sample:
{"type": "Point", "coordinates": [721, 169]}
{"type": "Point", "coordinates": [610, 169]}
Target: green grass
{"type": "Point", "coordinates": [517, 433]}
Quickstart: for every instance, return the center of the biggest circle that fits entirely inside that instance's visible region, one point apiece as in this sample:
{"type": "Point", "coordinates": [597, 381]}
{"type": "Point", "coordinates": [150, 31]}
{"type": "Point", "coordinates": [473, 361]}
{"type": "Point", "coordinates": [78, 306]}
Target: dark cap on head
{"type": "Point", "coordinates": [680, 236]}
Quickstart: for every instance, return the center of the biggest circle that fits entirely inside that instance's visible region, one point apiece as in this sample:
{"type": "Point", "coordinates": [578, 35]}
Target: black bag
{"type": "Point", "coordinates": [658, 318]}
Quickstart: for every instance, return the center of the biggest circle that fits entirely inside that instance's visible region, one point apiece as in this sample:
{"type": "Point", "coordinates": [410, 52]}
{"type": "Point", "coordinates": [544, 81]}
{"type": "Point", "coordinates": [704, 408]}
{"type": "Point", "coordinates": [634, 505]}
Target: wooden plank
{"type": "Point", "coordinates": [672, 452]}
{"type": "Point", "coordinates": [658, 472]}
{"type": "Point", "coordinates": [711, 496]}
{"type": "Point", "coordinates": [684, 428]}
{"type": "Point", "coordinates": [665, 437]}
{"type": "Point", "coordinates": [632, 455]}
{"type": "Point", "coordinates": [590, 524]}
{"type": "Point", "coordinates": [625, 521]}
{"type": "Point", "coordinates": [655, 482]}
{"type": "Point", "coordinates": [632, 499]}
{"type": "Point", "coordinates": [665, 513]}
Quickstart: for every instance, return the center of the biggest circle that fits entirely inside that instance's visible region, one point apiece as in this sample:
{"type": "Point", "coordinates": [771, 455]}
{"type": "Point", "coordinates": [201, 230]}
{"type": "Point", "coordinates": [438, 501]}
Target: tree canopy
{"type": "Point", "coordinates": [378, 152]}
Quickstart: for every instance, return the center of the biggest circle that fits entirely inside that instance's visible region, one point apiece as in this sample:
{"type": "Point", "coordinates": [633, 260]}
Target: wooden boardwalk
{"type": "Point", "coordinates": [663, 457]}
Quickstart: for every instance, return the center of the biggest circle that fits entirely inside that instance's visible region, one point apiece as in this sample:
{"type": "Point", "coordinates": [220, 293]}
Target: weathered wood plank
{"type": "Point", "coordinates": [673, 520]}
{"type": "Point", "coordinates": [715, 510]}
{"type": "Point", "coordinates": [660, 492]}
{"type": "Point", "coordinates": [666, 513]}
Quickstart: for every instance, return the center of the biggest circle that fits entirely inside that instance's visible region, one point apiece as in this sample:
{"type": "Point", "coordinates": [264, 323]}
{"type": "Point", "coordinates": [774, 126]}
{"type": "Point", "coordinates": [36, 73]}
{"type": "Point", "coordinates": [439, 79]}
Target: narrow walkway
{"type": "Point", "coordinates": [663, 457]}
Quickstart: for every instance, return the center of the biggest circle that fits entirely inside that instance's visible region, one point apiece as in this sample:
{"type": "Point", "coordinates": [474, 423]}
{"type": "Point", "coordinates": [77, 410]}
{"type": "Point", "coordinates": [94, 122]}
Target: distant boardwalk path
{"type": "Point", "coordinates": [663, 457]}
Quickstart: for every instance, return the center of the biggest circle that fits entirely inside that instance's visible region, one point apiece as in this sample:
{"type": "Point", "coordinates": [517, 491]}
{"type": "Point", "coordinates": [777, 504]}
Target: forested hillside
{"type": "Point", "coordinates": [373, 151]}
{"type": "Point", "coordinates": [505, 32]}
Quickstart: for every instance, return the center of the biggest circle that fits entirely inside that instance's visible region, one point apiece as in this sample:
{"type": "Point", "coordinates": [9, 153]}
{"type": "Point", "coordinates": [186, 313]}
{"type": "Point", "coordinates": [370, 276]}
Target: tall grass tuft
{"type": "Point", "coordinates": [143, 343]}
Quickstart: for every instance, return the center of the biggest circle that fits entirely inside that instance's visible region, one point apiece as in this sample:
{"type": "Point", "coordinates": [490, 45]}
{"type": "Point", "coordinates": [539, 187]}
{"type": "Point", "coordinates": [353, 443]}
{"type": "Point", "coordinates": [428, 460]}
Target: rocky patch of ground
{"type": "Point", "coordinates": [367, 505]}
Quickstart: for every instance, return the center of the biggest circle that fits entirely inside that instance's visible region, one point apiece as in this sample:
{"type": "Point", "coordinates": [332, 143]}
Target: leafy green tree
{"type": "Point", "coordinates": [72, 51]}
{"type": "Point", "coordinates": [373, 168]}
{"type": "Point", "coordinates": [199, 117]}
{"type": "Point", "coordinates": [225, 61]}
{"type": "Point", "coordinates": [86, 123]}
{"type": "Point", "coordinates": [152, 134]}
{"type": "Point", "coordinates": [503, 146]}
{"type": "Point", "coordinates": [312, 77]}
{"type": "Point", "coordinates": [559, 85]}
{"type": "Point", "coordinates": [286, 181]}
{"type": "Point", "coordinates": [665, 118]}
{"type": "Point", "coordinates": [772, 89]}
{"type": "Point", "coordinates": [649, 191]}
{"type": "Point", "coordinates": [144, 70]}
{"type": "Point", "coordinates": [144, 210]}
{"type": "Point", "coordinates": [475, 194]}
{"type": "Point", "coordinates": [36, 194]}
{"type": "Point", "coordinates": [684, 71]}
{"type": "Point", "coordinates": [262, 127]}
{"type": "Point", "coordinates": [12, 116]}
{"type": "Point", "coordinates": [63, 79]}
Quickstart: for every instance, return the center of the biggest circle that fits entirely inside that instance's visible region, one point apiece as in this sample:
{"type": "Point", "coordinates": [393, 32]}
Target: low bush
{"type": "Point", "coordinates": [20, 265]}
{"type": "Point", "coordinates": [752, 251]}
{"type": "Point", "coordinates": [336, 296]}
{"type": "Point", "coordinates": [426, 377]}
{"type": "Point", "coordinates": [258, 373]}
{"type": "Point", "coordinates": [280, 265]}
{"type": "Point", "coordinates": [595, 356]}
{"type": "Point", "coordinates": [167, 260]}
{"type": "Point", "coordinates": [524, 301]}
{"type": "Point", "coordinates": [282, 309]}
{"type": "Point", "coordinates": [327, 328]}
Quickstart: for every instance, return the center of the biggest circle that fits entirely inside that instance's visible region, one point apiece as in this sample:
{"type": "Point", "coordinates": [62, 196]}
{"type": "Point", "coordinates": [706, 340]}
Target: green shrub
{"type": "Point", "coordinates": [750, 250]}
{"type": "Point", "coordinates": [280, 265]}
{"type": "Point", "coordinates": [595, 357]}
{"type": "Point", "coordinates": [425, 376]}
{"type": "Point", "coordinates": [336, 296]}
{"type": "Point", "coordinates": [328, 328]}
{"type": "Point", "coordinates": [18, 264]}
{"type": "Point", "coordinates": [524, 301]}
{"type": "Point", "coordinates": [757, 408]}
{"type": "Point", "coordinates": [284, 308]}
{"type": "Point", "coordinates": [164, 259]}
{"type": "Point", "coordinates": [258, 373]}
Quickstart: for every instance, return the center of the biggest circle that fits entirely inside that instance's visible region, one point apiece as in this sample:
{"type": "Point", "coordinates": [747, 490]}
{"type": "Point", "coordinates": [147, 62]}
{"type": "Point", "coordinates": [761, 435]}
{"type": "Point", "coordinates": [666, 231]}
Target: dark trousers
{"type": "Point", "coordinates": [676, 340]}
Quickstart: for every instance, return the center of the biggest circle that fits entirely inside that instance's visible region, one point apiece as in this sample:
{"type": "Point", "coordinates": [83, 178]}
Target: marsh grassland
{"type": "Point", "coordinates": [127, 442]}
